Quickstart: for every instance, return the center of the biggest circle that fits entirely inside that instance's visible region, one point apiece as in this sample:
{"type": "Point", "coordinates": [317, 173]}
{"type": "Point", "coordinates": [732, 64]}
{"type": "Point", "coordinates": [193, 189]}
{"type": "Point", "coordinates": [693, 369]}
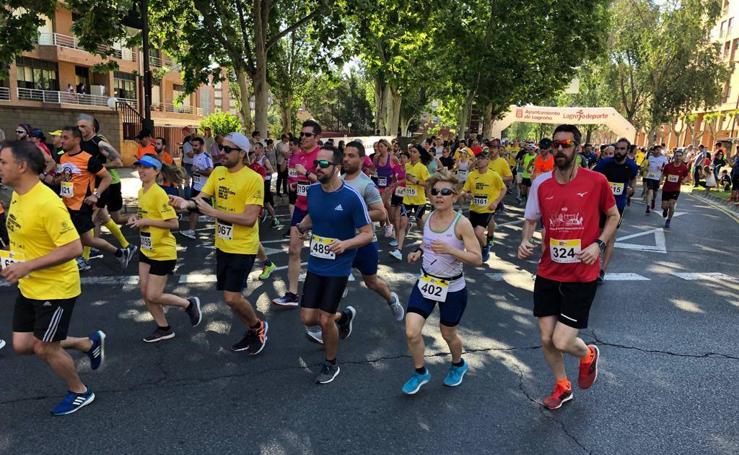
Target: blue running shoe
{"type": "Point", "coordinates": [73, 402]}
{"type": "Point", "coordinates": [414, 384]}
{"type": "Point", "coordinates": [455, 375]}
{"type": "Point", "coordinates": [485, 253]}
{"type": "Point", "coordinates": [97, 351]}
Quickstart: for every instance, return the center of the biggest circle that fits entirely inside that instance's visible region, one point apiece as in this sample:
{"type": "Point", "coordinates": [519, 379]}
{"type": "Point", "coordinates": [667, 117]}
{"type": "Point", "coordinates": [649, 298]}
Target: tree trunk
{"type": "Point", "coordinates": [286, 114]}
{"type": "Point", "coordinates": [380, 88]}
{"type": "Point", "coordinates": [259, 77]}
{"type": "Point", "coordinates": [464, 118]}
{"type": "Point", "coordinates": [393, 111]}
{"type": "Point", "coordinates": [241, 78]}
{"type": "Point", "coordinates": [487, 118]}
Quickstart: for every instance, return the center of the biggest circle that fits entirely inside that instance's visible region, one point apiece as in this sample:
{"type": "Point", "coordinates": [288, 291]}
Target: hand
{"type": "Point", "coordinates": [590, 254]}
{"type": "Point", "coordinates": [292, 186]}
{"type": "Point", "coordinates": [413, 257]}
{"type": "Point", "coordinates": [204, 208]}
{"type": "Point", "coordinates": [440, 247]}
{"type": "Point", "coordinates": [525, 249]}
{"type": "Point", "coordinates": [338, 247]}
{"type": "Point", "coordinates": [138, 223]}
{"type": "Point", "coordinates": [91, 199]}
{"type": "Point", "coordinates": [178, 202]}
{"type": "Point", "coordinates": [493, 206]}
{"type": "Point", "coordinates": [14, 272]}
{"type": "Point", "coordinates": [300, 169]}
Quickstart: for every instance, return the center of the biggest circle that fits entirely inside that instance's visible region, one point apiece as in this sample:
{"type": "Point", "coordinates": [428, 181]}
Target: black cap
{"type": "Point", "coordinates": [545, 143]}
{"type": "Point", "coordinates": [143, 133]}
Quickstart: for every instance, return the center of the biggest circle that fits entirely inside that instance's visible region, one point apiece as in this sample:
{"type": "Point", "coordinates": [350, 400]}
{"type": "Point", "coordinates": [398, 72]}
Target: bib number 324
{"type": "Point", "coordinates": [433, 288]}
{"type": "Point", "coordinates": [564, 251]}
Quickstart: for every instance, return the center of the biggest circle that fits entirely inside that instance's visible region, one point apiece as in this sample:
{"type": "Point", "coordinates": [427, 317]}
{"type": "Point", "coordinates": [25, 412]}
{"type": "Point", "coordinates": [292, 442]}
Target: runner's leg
{"type": "Point", "coordinates": [414, 323]}
{"type": "Point", "coordinates": [552, 355]}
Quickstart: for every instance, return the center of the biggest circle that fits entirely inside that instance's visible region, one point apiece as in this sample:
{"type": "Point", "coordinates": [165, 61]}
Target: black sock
{"type": "Point", "coordinates": [267, 263]}
{"type": "Point", "coordinates": [332, 362]}
{"type": "Point", "coordinates": [256, 326]}
{"type": "Point", "coordinates": [342, 319]}
{"type": "Point", "coordinates": [118, 253]}
{"type": "Point", "coordinates": [421, 370]}
{"type": "Point", "coordinates": [458, 364]}
{"type": "Point", "coordinates": [165, 328]}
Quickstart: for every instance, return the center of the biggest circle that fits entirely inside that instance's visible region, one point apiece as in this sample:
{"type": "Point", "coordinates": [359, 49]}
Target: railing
{"type": "Point", "coordinates": [155, 61]}
{"type": "Point", "coordinates": [130, 118]}
{"type": "Point", "coordinates": [71, 42]}
{"type": "Point", "coordinates": [184, 109]}
{"type": "Point", "coordinates": [4, 93]}
{"type": "Point", "coordinates": [57, 97]}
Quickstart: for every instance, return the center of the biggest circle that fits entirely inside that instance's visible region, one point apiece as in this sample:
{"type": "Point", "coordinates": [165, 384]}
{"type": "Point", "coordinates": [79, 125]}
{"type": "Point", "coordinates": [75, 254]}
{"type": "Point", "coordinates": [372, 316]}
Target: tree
{"type": "Point", "coordinates": [336, 100]}
{"type": "Point", "coordinates": [222, 123]}
{"type": "Point", "coordinates": [19, 20]}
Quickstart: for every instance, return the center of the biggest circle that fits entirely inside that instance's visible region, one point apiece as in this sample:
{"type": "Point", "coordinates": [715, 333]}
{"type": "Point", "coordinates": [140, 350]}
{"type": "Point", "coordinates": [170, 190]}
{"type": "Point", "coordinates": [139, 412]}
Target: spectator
{"type": "Point", "coordinates": [718, 162]}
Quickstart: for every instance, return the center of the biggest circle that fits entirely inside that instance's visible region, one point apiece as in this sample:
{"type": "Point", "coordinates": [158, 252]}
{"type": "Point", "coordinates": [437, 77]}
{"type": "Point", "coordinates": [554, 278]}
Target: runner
{"type": "Point", "coordinates": [77, 178]}
{"type": "Point", "coordinates": [448, 242]}
{"type": "Point", "coordinates": [655, 164]}
{"type": "Point", "coordinates": [462, 165]}
{"type": "Point", "coordinates": [170, 176]}
{"type": "Point", "coordinates": [527, 163]}
{"type": "Point", "coordinates": [486, 189]}
{"type": "Point", "coordinates": [340, 223]}
{"type": "Point", "coordinates": [43, 246]}
{"type": "Point", "coordinates": [398, 215]}
{"type": "Point", "coordinates": [674, 174]}
{"type": "Point", "coordinates": [621, 175]}
{"type": "Point", "coordinates": [158, 255]}
{"type": "Point", "coordinates": [301, 173]}
{"type": "Point", "coordinates": [201, 168]}
{"type": "Point", "coordinates": [385, 168]}
{"type": "Point", "coordinates": [416, 174]}
{"type": "Point", "coordinates": [267, 265]}
{"type": "Point", "coordinates": [236, 192]}
{"type": "Point", "coordinates": [498, 163]}
{"type": "Point", "coordinates": [261, 158]}
{"type": "Point", "coordinates": [544, 161]}
{"type": "Point", "coordinates": [568, 202]}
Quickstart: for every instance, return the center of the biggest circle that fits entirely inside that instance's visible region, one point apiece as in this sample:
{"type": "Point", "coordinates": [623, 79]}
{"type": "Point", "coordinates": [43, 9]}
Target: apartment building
{"type": "Point", "coordinates": [50, 85]}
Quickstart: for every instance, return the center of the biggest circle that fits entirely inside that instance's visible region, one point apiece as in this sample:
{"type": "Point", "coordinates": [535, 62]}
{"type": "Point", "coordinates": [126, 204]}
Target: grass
{"type": "Point", "coordinates": [723, 195]}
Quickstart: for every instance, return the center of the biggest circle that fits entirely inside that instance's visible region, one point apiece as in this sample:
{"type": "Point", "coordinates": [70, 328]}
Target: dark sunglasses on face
{"type": "Point", "coordinates": [306, 134]}
{"type": "Point", "coordinates": [20, 131]}
{"type": "Point", "coordinates": [564, 143]}
{"type": "Point", "coordinates": [227, 149]}
{"type": "Point", "coordinates": [443, 191]}
{"type": "Point", "coordinates": [323, 164]}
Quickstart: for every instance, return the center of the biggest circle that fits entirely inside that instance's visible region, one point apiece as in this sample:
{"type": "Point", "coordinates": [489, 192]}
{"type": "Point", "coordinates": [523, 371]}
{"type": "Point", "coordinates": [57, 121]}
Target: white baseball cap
{"type": "Point", "coordinates": [239, 140]}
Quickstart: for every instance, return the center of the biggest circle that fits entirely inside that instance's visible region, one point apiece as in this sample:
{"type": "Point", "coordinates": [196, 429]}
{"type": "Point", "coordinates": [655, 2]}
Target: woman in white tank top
{"type": "Point", "coordinates": [448, 242]}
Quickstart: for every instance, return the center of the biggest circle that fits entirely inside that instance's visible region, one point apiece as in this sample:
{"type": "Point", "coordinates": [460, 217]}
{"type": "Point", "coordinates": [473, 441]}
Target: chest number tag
{"type": "Point", "coordinates": [410, 191]}
{"type": "Point", "coordinates": [319, 247]}
{"type": "Point", "coordinates": [617, 188]}
{"type": "Point", "coordinates": [400, 191]}
{"type": "Point", "coordinates": [382, 182]}
{"type": "Point", "coordinates": [480, 201]}
{"type": "Point", "coordinates": [225, 230]}
{"type": "Point", "coordinates": [302, 189]}
{"type": "Point", "coordinates": [292, 172]}
{"type": "Point", "coordinates": [67, 189]}
{"type": "Point", "coordinates": [673, 178]}
{"type": "Point", "coordinates": [653, 175]}
{"type": "Point", "coordinates": [564, 251]}
{"type": "Point", "coordinates": [7, 258]}
{"type": "Point", "coordinates": [432, 288]}
{"type": "Point", "coordinates": [146, 241]}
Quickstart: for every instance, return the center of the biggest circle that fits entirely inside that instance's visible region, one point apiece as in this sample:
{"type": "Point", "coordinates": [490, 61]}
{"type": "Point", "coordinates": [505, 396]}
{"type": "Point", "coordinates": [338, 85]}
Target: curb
{"type": "Point", "coordinates": [732, 212]}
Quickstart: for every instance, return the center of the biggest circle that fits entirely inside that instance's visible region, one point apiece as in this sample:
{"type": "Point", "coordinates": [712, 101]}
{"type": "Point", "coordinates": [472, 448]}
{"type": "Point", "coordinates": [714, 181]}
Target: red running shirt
{"type": "Point", "coordinates": [570, 214]}
{"type": "Point", "coordinates": [674, 175]}
{"type": "Point", "coordinates": [301, 181]}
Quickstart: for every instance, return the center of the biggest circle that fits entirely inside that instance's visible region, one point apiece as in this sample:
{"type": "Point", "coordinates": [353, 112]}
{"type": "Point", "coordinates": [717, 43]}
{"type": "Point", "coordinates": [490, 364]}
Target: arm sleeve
{"type": "Point", "coordinates": [467, 184]}
{"type": "Point", "coordinates": [210, 185]}
{"type": "Point", "coordinates": [533, 212]}
{"type": "Point", "coordinates": [499, 183]}
{"type": "Point", "coordinates": [372, 194]}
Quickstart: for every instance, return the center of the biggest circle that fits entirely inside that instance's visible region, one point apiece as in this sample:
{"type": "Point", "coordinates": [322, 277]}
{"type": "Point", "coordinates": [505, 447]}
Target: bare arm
{"type": "Point", "coordinates": [526, 248]}
{"type": "Point", "coordinates": [112, 155]}
{"type": "Point", "coordinates": [377, 212]}
{"type": "Point", "coordinates": [58, 255]}
{"type": "Point", "coordinates": [246, 218]}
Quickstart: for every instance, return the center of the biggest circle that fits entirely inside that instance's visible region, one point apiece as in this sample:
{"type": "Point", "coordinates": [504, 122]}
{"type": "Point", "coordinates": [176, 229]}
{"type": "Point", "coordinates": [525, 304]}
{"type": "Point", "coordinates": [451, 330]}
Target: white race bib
{"type": "Point", "coordinates": [225, 230]}
{"type": "Point", "coordinates": [67, 190]}
{"type": "Point", "coordinates": [654, 175]}
{"type": "Point", "coordinates": [673, 178]}
{"type": "Point", "coordinates": [432, 288]}
{"type": "Point", "coordinates": [480, 201]}
{"type": "Point", "coordinates": [462, 173]}
{"type": "Point", "coordinates": [319, 247]}
{"type": "Point", "coordinates": [400, 191]}
{"type": "Point", "coordinates": [617, 188]}
{"type": "Point", "coordinates": [410, 191]}
{"type": "Point", "coordinates": [382, 182]}
{"type": "Point", "coordinates": [197, 181]}
{"type": "Point", "coordinates": [564, 251]}
{"type": "Point", "coordinates": [146, 241]}
{"type": "Point", "coordinates": [302, 189]}
{"type": "Point", "coordinates": [8, 257]}
{"type": "Point", "coordinates": [292, 172]}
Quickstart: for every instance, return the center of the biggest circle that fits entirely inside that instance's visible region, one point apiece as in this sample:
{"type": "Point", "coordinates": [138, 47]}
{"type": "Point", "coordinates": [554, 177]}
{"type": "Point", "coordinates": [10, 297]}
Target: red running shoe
{"type": "Point", "coordinates": [560, 395]}
{"type": "Point", "coordinates": [589, 368]}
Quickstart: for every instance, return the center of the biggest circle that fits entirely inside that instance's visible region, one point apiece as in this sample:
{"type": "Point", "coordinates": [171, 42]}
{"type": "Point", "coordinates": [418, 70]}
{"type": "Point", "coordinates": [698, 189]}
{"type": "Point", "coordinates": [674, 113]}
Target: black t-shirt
{"type": "Point", "coordinates": [447, 162]}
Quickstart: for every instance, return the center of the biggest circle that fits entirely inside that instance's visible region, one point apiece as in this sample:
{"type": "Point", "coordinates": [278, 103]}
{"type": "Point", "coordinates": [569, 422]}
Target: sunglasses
{"type": "Point", "coordinates": [227, 149]}
{"type": "Point", "coordinates": [565, 143]}
{"type": "Point", "coordinates": [323, 164]}
{"type": "Point", "coordinates": [306, 134]}
{"type": "Point", "coordinates": [20, 131]}
{"type": "Point", "coordinates": [443, 191]}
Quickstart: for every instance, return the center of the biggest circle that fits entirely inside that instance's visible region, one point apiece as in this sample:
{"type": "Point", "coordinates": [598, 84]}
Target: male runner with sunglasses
{"type": "Point", "coordinates": [301, 173]}
{"type": "Point", "coordinates": [569, 202]}
{"type": "Point", "coordinates": [486, 189]}
{"type": "Point", "coordinates": [340, 225]}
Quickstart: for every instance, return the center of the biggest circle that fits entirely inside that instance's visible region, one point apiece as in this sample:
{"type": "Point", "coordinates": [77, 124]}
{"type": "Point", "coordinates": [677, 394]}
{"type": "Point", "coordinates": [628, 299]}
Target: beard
{"type": "Point", "coordinates": [325, 178]}
{"type": "Point", "coordinates": [619, 158]}
{"type": "Point", "coordinates": [567, 160]}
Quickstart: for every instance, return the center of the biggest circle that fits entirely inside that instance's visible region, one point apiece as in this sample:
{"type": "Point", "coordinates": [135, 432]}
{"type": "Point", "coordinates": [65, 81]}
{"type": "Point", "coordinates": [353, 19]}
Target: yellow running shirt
{"type": "Point", "coordinates": [232, 192]}
{"type": "Point", "coordinates": [501, 166]}
{"type": "Point", "coordinates": [156, 243]}
{"type": "Point", "coordinates": [485, 189]}
{"type": "Point", "coordinates": [38, 222]}
{"type": "Point", "coordinates": [415, 194]}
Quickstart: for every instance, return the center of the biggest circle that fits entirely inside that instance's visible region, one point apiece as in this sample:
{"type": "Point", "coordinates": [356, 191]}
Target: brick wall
{"type": "Point", "coordinates": [52, 118]}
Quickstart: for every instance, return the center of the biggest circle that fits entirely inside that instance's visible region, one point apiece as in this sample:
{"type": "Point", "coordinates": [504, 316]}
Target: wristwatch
{"type": "Point", "coordinates": [307, 174]}
{"type": "Point", "coordinates": [601, 245]}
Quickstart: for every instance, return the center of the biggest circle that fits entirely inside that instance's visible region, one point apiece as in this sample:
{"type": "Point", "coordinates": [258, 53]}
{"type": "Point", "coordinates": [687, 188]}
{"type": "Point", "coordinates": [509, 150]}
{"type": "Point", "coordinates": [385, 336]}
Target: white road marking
{"type": "Point", "coordinates": [625, 277]}
{"type": "Point", "coordinates": [659, 242]}
{"type": "Point", "coordinates": [702, 276]}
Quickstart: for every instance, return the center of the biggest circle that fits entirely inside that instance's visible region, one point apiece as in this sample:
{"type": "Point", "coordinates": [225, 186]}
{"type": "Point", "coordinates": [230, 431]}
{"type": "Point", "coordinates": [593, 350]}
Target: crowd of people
{"type": "Point", "coordinates": [338, 197]}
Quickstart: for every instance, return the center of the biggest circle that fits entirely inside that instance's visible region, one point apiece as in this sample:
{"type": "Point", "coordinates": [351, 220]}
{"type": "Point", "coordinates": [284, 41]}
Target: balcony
{"type": "Point", "coordinates": [57, 97]}
{"type": "Point", "coordinates": [4, 93]}
{"type": "Point", "coordinates": [166, 107]}
{"type": "Point", "coordinates": [59, 40]}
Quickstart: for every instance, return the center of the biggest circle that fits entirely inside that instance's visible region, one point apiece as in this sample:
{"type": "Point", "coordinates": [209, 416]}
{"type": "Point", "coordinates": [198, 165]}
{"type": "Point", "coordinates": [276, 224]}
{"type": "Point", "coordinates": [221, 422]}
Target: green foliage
{"type": "Point", "coordinates": [222, 123]}
{"type": "Point", "coordinates": [336, 100]}
{"type": "Point", "coordinates": [19, 21]}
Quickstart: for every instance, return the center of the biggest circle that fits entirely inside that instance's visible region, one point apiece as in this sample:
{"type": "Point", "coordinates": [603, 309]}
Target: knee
{"type": "Point", "coordinates": [449, 334]}
{"type": "Point", "coordinates": [232, 299]}
{"type": "Point", "coordinates": [42, 350]}
{"type": "Point", "coordinates": [546, 340]}
{"type": "Point", "coordinates": [152, 296]}
{"type": "Point", "coordinates": [23, 348]}
{"type": "Point", "coordinates": [560, 342]}
{"type": "Point", "coordinates": [307, 318]}
{"type": "Point", "coordinates": [413, 334]}
{"type": "Point", "coordinates": [295, 247]}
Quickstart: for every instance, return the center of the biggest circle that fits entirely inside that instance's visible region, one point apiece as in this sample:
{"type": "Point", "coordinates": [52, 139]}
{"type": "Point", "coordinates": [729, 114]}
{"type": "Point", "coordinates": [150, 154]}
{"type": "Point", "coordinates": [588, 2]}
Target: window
{"type": "Point", "coordinates": [727, 46]}
{"type": "Point", "coordinates": [124, 85]}
{"type": "Point", "coordinates": [36, 74]}
{"type": "Point", "coordinates": [721, 30]}
{"type": "Point", "coordinates": [734, 45]}
{"type": "Point", "coordinates": [218, 89]}
{"type": "Point", "coordinates": [156, 91]}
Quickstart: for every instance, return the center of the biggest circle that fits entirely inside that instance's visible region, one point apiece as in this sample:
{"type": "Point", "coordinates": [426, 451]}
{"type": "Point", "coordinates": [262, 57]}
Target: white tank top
{"type": "Point", "coordinates": [267, 174]}
{"type": "Point", "coordinates": [443, 265]}
{"type": "Point", "coordinates": [463, 169]}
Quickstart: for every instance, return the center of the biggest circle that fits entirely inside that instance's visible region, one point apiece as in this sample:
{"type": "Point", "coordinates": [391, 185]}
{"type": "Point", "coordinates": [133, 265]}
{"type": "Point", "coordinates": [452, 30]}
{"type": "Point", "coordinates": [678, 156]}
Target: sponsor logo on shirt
{"type": "Point", "coordinates": [566, 221]}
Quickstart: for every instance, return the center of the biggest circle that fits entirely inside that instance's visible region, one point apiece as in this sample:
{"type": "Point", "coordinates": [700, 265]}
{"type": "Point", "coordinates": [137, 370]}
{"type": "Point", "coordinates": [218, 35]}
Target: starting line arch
{"type": "Point", "coordinates": [607, 116]}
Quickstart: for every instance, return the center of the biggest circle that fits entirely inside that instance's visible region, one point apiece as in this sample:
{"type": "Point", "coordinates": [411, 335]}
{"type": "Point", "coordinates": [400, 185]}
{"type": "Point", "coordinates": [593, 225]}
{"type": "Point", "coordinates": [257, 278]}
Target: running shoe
{"type": "Point", "coordinates": [560, 395]}
{"type": "Point", "coordinates": [388, 230]}
{"type": "Point", "coordinates": [267, 271]}
{"type": "Point", "coordinates": [242, 344]}
{"type": "Point", "coordinates": [345, 326]}
{"type": "Point", "coordinates": [396, 307]}
{"type": "Point", "coordinates": [414, 384]}
{"type": "Point", "coordinates": [189, 233]}
{"type": "Point", "coordinates": [396, 254]}
{"type": "Point", "coordinates": [647, 211]}
{"type": "Point", "coordinates": [393, 243]}
{"type": "Point", "coordinates": [287, 300]}
{"type": "Point", "coordinates": [601, 277]}
{"type": "Point", "coordinates": [314, 333]}
{"type": "Point", "coordinates": [589, 368]}
{"type": "Point", "coordinates": [664, 213]}
{"type": "Point", "coordinates": [667, 224]}
{"type": "Point", "coordinates": [264, 215]}
{"type": "Point", "coordinates": [193, 311]}
{"type": "Point", "coordinates": [328, 373]}
{"type": "Point", "coordinates": [2, 343]}
{"type": "Point", "coordinates": [258, 338]}
{"type": "Point", "coordinates": [73, 402]}
{"type": "Point", "coordinates": [159, 334]}
{"type": "Point", "coordinates": [455, 375]}
{"type": "Point", "coordinates": [83, 265]}
{"type": "Point", "coordinates": [95, 253]}
{"type": "Point", "coordinates": [126, 256]}
{"type": "Point", "coordinates": [97, 350]}
{"type": "Point", "coordinates": [276, 224]}
{"type": "Point", "coordinates": [485, 253]}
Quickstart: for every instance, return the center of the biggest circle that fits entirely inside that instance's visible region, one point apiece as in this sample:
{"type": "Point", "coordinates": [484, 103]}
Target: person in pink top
{"type": "Point", "coordinates": [301, 173]}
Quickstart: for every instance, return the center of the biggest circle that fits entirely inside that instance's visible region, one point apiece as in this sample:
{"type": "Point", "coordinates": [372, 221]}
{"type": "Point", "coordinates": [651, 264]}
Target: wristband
{"type": "Point", "coordinates": [601, 245]}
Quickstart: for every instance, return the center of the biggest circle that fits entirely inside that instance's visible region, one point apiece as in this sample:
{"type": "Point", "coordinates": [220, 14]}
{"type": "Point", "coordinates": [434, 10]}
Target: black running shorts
{"type": "Point", "coordinates": [159, 268]}
{"type": "Point", "coordinates": [82, 219]}
{"type": "Point", "coordinates": [323, 292]}
{"type": "Point", "coordinates": [570, 302]}
{"type": "Point", "coordinates": [47, 319]}
{"type": "Point", "coordinates": [111, 198]}
{"type": "Point", "coordinates": [232, 270]}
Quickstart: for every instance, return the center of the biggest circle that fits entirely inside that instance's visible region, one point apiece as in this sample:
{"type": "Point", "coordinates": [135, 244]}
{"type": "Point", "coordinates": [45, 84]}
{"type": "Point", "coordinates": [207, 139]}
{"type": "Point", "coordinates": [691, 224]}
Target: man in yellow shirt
{"type": "Point", "coordinates": [416, 175]}
{"type": "Point", "coordinates": [237, 193]}
{"type": "Point", "coordinates": [43, 246]}
{"type": "Point", "coordinates": [498, 163]}
{"type": "Point", "coordinates": [486, 190]}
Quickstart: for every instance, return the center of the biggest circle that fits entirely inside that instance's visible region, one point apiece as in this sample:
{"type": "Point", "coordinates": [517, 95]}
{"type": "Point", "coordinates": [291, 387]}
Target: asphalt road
{"type": "Point", "coordinates": [667, 383]}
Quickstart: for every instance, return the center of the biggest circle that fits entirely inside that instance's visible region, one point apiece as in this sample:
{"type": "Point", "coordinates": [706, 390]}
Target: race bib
{"type": "Point", "coordinates": [319, 247]}
{"type": "Point", "coordinates": [432, 288]}
{"type": "Point", "coordinates": [673, 178]}
{"type": "Point", "coordinates": [617, 188]}
{"type": "Point", "coordinates": [197, 180]}
{"type": "Point", "coordinates": [382, 182]}
{"type": "Point", "coordinates": [400, 191]}
{"type": "Point", "coordinates": [564, 251]}
{"type": "Point", "coordinates": [292, 172]}
{"type": "Point", "coordinates": [462, 173]}
{"type": "Point", "coordinates": [8, 257]}
{"type": "Point", "coordinates": [480, 201]}
{"type": "Point", "coordinates": [410, 191]}
{"type": "Point", "coordinates": [652, 175]}
{"type": "Point", "coordinates": [146, 241]}
{"type": "Point", "coordinates": [67, 189]}
{"type": "Point", "coordinates": [302, 189]}
{"type": "Point", "coordinates": [225, 230]}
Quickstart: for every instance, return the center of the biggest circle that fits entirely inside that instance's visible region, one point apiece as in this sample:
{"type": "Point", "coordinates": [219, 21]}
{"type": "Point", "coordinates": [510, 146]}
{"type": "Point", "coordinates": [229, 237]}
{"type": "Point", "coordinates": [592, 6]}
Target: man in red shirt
{"type": "Point", "coordinates": [569, 202]}
{"type": "Point", "coordinates": [673, 174]}
{"type": "Point", "coordinates": [544, 162]}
